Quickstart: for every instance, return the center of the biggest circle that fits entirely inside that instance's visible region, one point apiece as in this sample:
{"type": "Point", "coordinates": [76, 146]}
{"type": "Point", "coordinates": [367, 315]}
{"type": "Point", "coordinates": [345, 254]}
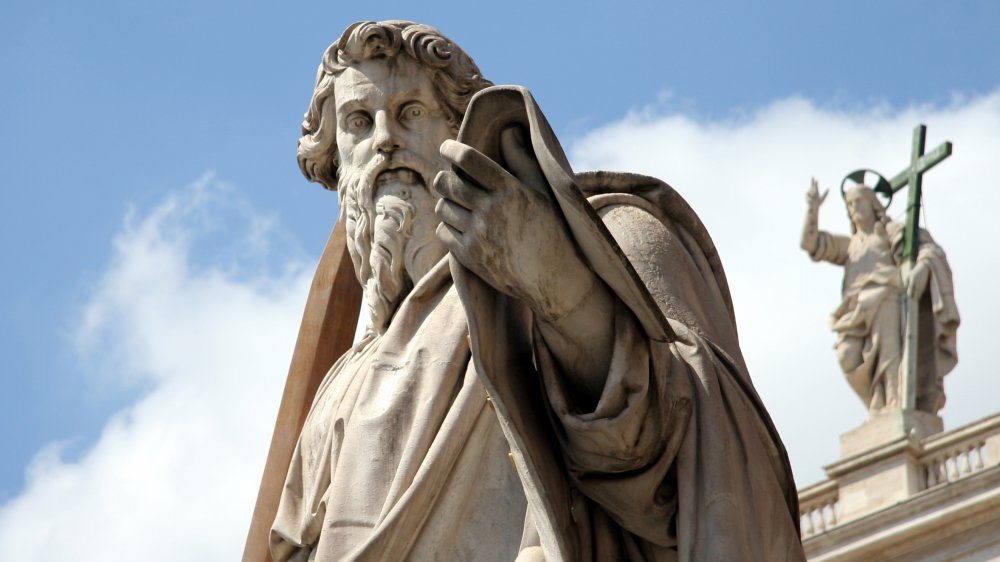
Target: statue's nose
{"type": "Point", "coordinates": [385, 136]}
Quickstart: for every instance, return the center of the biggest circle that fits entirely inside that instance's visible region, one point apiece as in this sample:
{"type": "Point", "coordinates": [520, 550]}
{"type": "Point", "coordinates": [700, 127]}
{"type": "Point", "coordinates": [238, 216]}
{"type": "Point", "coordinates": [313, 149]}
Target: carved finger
{"type": "Point", "coordinates": [454, 215]}
{"type": "Point", "coordinates": [520, 161]}
{"type": "Point", "coordinates": [448, 185]}
{"type": "Point", "coordinates": [451, 238]}
{"type": "Point", "coordinates": [486, 173]}
{"type": "Point", "coordinates": [460, 246]}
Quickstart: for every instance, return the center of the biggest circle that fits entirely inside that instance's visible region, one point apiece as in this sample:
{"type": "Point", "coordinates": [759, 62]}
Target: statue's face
{"type": "Point", "coordinates": [859, 208]}
{"type": "Point", "coordinates": [389, 127]}
{"type": "Point", "coordinates": [389, 107]}
{"type": "Point", "coordinates": [389, 120]}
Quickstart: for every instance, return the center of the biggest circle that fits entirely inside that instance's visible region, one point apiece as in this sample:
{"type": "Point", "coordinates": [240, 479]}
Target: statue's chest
{"type": "Point", "coordinates": [381, 406]}
{"type": "Point", "coordinates": [867, 256]}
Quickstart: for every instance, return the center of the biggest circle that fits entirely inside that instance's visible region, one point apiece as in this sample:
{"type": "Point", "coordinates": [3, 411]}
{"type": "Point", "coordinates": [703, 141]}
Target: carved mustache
{"type": "Point", "coordinates": [401, 165]}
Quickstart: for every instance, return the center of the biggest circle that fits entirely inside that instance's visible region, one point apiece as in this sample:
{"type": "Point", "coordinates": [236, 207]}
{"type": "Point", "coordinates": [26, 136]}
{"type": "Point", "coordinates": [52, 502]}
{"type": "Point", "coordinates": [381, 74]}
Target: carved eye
{"type": "Point", "coordinates": [413, 112]}
{"type": "Point", "coordinates": [358, 122]}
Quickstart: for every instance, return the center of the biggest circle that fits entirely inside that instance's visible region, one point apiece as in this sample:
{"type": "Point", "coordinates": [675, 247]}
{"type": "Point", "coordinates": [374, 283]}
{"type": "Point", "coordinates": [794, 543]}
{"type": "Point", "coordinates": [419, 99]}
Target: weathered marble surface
{"type": "Point", "coordinates": [593, 308]}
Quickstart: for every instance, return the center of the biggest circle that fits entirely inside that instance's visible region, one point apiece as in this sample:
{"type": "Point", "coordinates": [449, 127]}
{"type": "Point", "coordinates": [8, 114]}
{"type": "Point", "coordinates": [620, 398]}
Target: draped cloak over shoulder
{"type": "Point", "coordinates": [679, 460]}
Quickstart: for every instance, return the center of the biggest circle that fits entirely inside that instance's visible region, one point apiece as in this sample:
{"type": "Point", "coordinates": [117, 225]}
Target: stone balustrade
{"type": "Point", "coordinates": [933, 461]}
{"type": "Point", "coordinates": [819, 508]}
{"type": "Point", "coordinates": [950, 456]}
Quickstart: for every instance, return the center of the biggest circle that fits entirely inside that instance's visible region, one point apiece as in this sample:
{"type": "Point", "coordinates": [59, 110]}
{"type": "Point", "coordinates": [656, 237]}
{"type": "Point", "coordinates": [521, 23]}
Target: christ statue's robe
{"type": "Point", "coordinates": [870, 316]}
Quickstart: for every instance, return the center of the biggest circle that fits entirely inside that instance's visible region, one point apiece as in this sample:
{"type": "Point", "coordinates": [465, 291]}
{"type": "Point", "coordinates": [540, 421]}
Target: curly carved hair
{"type": "Point", "coordinates": [455, 76]}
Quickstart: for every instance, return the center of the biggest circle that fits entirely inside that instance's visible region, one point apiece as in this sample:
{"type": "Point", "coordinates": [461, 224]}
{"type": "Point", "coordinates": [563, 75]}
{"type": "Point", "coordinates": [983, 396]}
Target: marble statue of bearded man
{"type": "Point", "coordinates": [552, 370]}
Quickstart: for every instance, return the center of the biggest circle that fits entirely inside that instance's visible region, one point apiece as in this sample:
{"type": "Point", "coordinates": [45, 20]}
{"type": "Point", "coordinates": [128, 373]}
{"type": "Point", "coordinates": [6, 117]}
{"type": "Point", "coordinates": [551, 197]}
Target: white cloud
{"type": "Point", "coordinates": [747, 179]}
{"type": "Point", "coordinates": [175, 475]}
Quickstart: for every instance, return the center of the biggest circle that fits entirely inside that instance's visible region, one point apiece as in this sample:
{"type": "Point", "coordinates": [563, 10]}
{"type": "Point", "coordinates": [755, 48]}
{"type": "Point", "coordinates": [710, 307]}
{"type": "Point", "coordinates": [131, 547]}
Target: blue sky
{"type": "Point", "coordinates": [132, 129]}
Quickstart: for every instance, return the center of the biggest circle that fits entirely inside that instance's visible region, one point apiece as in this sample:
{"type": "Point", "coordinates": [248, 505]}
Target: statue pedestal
{"type": "Point", "coordinates": [886, 427]}
{"type": "Point", "coordinates": [879, 463]}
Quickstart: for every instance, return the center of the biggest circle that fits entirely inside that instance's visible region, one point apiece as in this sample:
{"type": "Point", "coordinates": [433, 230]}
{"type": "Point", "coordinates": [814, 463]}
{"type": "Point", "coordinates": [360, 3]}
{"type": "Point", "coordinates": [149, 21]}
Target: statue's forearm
{"type": "Point", "coordinates": [810, 230]}
{"type": "Point", "coordinates": [582, 341]}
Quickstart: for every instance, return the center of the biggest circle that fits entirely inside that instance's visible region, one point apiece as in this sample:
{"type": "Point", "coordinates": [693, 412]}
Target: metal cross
{"type": "Point", "coordinates": [913, 176]}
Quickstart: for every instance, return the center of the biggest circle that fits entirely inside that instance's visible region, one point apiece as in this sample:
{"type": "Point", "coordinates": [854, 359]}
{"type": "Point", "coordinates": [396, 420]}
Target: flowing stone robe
{"type": "Point", "coordinates": [402, 459]}
{"type": "Point", "coordinates": [870, 315]}
{"type": "Point", "coordinates": [679, 459]}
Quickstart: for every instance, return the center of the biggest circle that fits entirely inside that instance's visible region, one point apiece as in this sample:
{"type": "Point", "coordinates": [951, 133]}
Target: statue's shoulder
{"type": "Point", "coordinates": [669, 204]}
{"type": "Point", "coordinates": [604, 188]}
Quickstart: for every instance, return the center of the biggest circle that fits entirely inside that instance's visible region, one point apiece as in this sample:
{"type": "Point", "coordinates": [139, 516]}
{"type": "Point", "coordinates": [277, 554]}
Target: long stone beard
{"type": "Point", "coordinates": [388, 282]}
{"type": "Point", "coordinates": [379, 236]}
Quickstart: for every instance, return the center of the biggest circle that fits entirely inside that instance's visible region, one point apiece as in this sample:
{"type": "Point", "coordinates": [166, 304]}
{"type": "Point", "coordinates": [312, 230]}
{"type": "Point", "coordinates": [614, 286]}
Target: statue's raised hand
{"type": "Point", "coordinates": [810, 228]}
{"type": "Point", "coordinates": [813, 197]}
{"type": "Point", "coordinates": [506, 228]}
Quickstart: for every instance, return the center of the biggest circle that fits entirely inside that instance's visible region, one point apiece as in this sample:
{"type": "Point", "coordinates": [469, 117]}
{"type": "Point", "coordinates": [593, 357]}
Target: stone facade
{"type": "Point", "coordinates": [908, 495]}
